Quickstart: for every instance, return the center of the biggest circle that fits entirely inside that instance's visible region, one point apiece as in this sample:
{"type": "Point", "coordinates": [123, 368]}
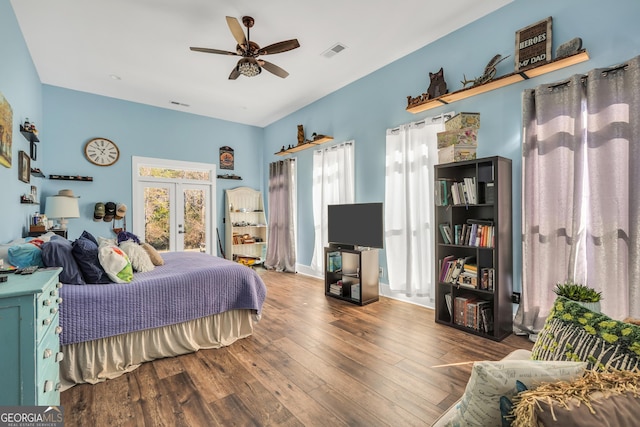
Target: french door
{"type": "Point", "coordinates": [173, 204]}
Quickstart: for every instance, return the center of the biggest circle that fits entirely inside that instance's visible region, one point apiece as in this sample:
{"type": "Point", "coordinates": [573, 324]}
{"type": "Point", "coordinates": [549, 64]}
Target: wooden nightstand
{"type": "Point", "coordinates": [62, 233]}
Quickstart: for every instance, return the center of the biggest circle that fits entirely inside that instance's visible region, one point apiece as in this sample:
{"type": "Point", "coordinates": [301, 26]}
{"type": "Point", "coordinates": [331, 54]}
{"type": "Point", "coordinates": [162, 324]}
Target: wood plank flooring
{"type": "Point", "coordinates": [312, 361]}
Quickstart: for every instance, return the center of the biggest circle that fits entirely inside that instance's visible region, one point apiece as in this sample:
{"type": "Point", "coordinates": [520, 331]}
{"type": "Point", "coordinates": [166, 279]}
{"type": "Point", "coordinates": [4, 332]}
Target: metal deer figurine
{"type": "Point", "coordinates": [489, 72]}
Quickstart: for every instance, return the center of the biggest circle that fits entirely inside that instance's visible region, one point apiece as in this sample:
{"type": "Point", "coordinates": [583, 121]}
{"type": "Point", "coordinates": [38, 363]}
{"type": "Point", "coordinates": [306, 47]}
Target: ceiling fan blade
{"type": "Point", "coordinates": [236, 30]}
{"type": "Point", "coordinates": [272, 68]}
{"type": "Point", "coordinates": [218, 51]}
{"type": "Point", "coordinates": [234, 73]}
{"type": "Point", "coordinates": [279, 47]}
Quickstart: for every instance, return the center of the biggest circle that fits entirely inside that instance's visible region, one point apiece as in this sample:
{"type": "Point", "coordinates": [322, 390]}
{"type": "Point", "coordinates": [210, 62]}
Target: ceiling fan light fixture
{"type": "Point", "coordinates": [249, 68]}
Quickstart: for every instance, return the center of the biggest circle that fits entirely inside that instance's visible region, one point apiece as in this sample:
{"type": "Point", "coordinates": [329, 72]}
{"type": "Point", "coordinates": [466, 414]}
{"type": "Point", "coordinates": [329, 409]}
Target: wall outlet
{"type": "Point", "coordinates": [515, 297]}
{"type": "Point", "coordinates": [380, 272]}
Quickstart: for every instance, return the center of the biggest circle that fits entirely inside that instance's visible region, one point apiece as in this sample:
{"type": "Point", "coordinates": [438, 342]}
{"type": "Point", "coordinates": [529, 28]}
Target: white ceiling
{"type": "Point", "coordinates": [81, 44]}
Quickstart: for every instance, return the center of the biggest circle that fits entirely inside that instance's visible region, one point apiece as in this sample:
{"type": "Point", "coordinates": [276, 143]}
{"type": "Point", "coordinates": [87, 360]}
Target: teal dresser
{"type": "Point", "coordinates": [29, 339]}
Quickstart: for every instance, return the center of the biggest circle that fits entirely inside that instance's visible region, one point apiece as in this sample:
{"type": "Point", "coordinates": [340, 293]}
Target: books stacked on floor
{"type": "Point", "coordinates": [336, 288]}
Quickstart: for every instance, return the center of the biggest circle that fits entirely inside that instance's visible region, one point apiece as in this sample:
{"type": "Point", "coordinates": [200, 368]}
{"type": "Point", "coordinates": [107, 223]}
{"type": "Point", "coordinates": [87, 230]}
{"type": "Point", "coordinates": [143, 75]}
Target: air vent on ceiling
{"type": "Point", "coordinates": [179, 103]}
{"type": "Point", "coordinates": [333, 50]}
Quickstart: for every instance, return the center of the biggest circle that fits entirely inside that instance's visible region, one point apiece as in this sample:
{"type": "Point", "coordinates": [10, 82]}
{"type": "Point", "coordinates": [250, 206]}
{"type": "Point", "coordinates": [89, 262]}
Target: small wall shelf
{"type": "Point", "coordinates": [30, 136]}
{"type": "Point", "coordinates": [304, 146]}
{"type": "Point", "coordinates": [499, 82]}
{"type": "Point", "coordinates": [227, 176]}
{"type": "Point", "coordinates": [71, 177]}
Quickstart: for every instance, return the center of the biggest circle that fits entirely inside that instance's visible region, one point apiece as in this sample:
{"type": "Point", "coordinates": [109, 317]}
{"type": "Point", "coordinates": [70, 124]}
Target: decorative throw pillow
{"type": "Point", "coordinates": [4, 250]}
{"type": "Point", "coordinates": [85, 253]}
{"type": "Point", "coordinates": [25, 255]}
{"type": "Point", "coordinates": [480, 404]}
{"type": "Point", "coordinates": [139, 257]}
{"type": "Point", "coordinates": [116, 264]}
{"type": "Point", "coordinates": [58, 253]}
{"type": "Point", "coordinates": [573, 332]}
{"type": "Point", "coordinates": [597, 399]}
{"type": "Point", "coordinates": [86, 235]}
{"type": "Point", "coordinates": [156, 259]}
{"type": "Point", "coordinates": [104, 241]}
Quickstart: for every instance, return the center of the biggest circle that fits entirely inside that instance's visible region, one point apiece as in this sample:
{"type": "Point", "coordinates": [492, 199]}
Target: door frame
{"type": "Point", "coordinates": [139, 182]}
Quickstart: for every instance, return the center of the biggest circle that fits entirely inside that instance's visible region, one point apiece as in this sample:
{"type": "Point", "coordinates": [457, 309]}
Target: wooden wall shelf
{"type": "Point", "coordinates": [304, 146]}
{"type": "Point", "coordinates": [499, 82]}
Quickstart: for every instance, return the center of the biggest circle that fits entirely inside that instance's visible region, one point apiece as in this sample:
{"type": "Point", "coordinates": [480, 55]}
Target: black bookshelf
{"type": "Point", "coordinates": [473, 246]}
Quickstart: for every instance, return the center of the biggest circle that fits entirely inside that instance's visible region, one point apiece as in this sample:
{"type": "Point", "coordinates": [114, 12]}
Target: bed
{"type": "Point", "coordinates": [194, 301]}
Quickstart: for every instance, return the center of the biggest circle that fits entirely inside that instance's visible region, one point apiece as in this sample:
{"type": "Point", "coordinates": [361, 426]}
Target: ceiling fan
{"type": "Point", "coordinates": [250, 65]}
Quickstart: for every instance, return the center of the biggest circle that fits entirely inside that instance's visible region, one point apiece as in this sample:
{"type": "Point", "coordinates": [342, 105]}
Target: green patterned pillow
{"type": "Point", "coordinates": [573, 332]}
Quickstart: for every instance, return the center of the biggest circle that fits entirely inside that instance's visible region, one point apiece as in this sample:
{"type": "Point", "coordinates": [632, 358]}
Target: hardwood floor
{"type": "Point", "coordinates": [312, 360]}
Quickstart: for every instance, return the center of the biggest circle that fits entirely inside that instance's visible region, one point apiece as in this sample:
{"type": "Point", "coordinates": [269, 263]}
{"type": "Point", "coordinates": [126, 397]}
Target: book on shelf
{"type": "Point", "coordinates": [445, 267]}
{"type": "Point", "coordinates": [486, 318]}
{"type": "Point", "coordinates": [447, 235]}
{"type": "Point", "coordinates": [460, 307]}
{"type": "Point", "coordinates": [447, 299]}
{"type": "Point", "coordinates": [334, 262]}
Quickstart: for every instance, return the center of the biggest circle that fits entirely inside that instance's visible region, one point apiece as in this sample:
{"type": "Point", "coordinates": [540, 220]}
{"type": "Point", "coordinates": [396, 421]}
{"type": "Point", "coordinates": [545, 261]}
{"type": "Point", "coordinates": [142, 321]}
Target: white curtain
{"type": "Point", "coordinates": [333, 184]}
{"type": "Point", "coordinates": [281, 251]}
{"type": "Point", "coordinates": [580, 197]}
{"type": "Point", "coordinates": [411, 154]}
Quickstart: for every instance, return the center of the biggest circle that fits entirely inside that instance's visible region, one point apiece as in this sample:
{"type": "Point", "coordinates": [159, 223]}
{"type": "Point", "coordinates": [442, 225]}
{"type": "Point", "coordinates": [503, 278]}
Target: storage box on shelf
{"type": "Point", "coordinates": [245, 226]}
{"type": "Point", "coordinates": [474, 246]}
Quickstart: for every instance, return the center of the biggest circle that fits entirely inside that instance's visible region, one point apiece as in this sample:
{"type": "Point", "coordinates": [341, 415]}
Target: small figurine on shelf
{"type": "Point", "coordinates": [300, 134]}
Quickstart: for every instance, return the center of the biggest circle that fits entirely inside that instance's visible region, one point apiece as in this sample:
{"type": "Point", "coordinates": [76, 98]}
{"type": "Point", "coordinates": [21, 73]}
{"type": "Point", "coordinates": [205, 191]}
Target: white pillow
{"type": "Point", "coordinates": [480, 404]}
{"type": "Point", "coordinates": [105, 241]}
{"type": "Point", "coordinates": [140, 260]}
{"type": "Point", "coordinates": [115, 263]}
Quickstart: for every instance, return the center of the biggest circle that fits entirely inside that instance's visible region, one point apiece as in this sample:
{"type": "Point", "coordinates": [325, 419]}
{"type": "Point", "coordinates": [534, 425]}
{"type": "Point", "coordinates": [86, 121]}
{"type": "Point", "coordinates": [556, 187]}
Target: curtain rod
{"type": "Point", "coordinates": [443, 116]}
{"type": "Point", "coordinates": [584, 78]}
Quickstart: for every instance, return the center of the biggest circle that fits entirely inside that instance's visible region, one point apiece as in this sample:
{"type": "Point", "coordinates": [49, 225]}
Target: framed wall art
{"type": "Point", "coordinates": [227, 158]}
{"type": "Point", "coordinates": [6, 131]}
{"type": "Point", "coordinates": [533, 45]}
{"type": "Point", "coordinates": [34, 151]}
{"type": "Point", "coordinates": [24, 167]}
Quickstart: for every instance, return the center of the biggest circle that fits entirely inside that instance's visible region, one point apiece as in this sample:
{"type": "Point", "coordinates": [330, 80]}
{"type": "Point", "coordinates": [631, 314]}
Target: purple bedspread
{"type": "Point", "coordinates": [188, 286]}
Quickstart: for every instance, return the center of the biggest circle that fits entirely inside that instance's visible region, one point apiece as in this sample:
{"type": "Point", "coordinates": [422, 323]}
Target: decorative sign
{"type": "Point", "coordinates": [533, 45]}
{"type": "Point", "coordinates": [226, 157]}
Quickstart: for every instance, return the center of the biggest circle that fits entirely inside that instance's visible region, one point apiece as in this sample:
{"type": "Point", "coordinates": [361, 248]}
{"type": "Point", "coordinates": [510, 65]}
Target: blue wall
{"type": "Point", "coordinates": [72, 118]}
{"type": "Point", "coordinates": [20, 85]}
{"type": "Point", "coordinates": [361, 111]}
{"type": "Point", "coordinates": [364, 109]}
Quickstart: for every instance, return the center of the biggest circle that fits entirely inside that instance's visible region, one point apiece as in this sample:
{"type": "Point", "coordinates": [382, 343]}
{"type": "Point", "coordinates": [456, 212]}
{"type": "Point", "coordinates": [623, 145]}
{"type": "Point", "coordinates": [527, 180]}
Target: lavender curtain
{"type": "Point", "coordinates": [580, 195]}
{"type": "Point", "coordinates": [281, 251]}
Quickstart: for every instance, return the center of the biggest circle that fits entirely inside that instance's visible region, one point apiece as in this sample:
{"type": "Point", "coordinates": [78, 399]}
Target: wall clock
{"type": "Point", "coordinates": [101, 152]}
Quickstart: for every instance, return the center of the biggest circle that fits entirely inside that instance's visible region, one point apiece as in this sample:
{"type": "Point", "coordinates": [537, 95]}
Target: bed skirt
{"type": "Point", "coordinates": [96, 361]}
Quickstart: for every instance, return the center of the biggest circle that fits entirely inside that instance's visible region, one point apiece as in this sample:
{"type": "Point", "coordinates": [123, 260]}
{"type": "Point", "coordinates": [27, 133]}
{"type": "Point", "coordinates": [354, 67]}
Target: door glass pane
{"type": "Point", "coordinates": [157, 215]}
{"type": "Point", "coordinates": [194, 220]}
{"type": "Point", "coordinates": [174, 173]}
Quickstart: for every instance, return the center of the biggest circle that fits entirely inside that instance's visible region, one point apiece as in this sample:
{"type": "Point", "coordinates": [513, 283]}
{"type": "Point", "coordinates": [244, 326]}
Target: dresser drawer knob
{"type": "Point", "coordinates": [54, 310]}
{"type": "Point", "coordinates": [58, 330]}
{"type": "Point", "coordinates": [47, 353]}
{"type": "Point", "coordinates": [59, 285]}
{"type": "Point", "coordinates": [53, 293]}
{"type": "Point", "coordinates": [48, 386]}
{"type": "Point", "coordinates": [58, 300]}
{"type": "Point", "coordinates": [46, 322]}
{"type": "Point", "coordinates": [46, 302]}
{"type": "Point", "coordinates": [59, 356]}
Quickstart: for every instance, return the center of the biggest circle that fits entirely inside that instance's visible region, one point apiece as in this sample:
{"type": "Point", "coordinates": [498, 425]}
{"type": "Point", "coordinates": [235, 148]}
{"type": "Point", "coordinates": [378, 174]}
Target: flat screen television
{"type": "Point", "coordinates": [356, 224]}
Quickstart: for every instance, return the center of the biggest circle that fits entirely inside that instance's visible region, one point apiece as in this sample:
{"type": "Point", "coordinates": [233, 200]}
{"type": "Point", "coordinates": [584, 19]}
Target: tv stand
{"type": "Point", "coordinates": [351, 274]}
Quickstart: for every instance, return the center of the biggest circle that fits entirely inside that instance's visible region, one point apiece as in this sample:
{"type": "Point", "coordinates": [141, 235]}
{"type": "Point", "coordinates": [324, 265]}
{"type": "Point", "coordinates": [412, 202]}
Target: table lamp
{"type": "Point", "coordinates": [62, 207]}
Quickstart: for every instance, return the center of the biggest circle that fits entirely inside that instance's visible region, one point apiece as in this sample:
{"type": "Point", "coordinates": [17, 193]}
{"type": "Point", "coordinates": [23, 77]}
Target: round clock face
{"type": "Point", "coordinates": [101, 152]}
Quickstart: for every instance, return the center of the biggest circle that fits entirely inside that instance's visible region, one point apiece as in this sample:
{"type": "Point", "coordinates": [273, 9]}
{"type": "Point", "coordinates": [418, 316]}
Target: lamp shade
{"type": "Point", "coordinates": [62, 207]}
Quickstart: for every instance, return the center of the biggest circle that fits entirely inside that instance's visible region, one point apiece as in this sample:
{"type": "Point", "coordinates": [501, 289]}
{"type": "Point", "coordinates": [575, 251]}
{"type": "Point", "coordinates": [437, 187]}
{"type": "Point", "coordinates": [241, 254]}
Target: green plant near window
{"type": "Point", "coordinates": [577, 292]}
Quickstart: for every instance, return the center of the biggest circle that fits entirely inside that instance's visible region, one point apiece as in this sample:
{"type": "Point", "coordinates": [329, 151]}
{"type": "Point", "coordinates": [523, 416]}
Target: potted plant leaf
{"type": "Point", "coordinates": [582, 294]}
